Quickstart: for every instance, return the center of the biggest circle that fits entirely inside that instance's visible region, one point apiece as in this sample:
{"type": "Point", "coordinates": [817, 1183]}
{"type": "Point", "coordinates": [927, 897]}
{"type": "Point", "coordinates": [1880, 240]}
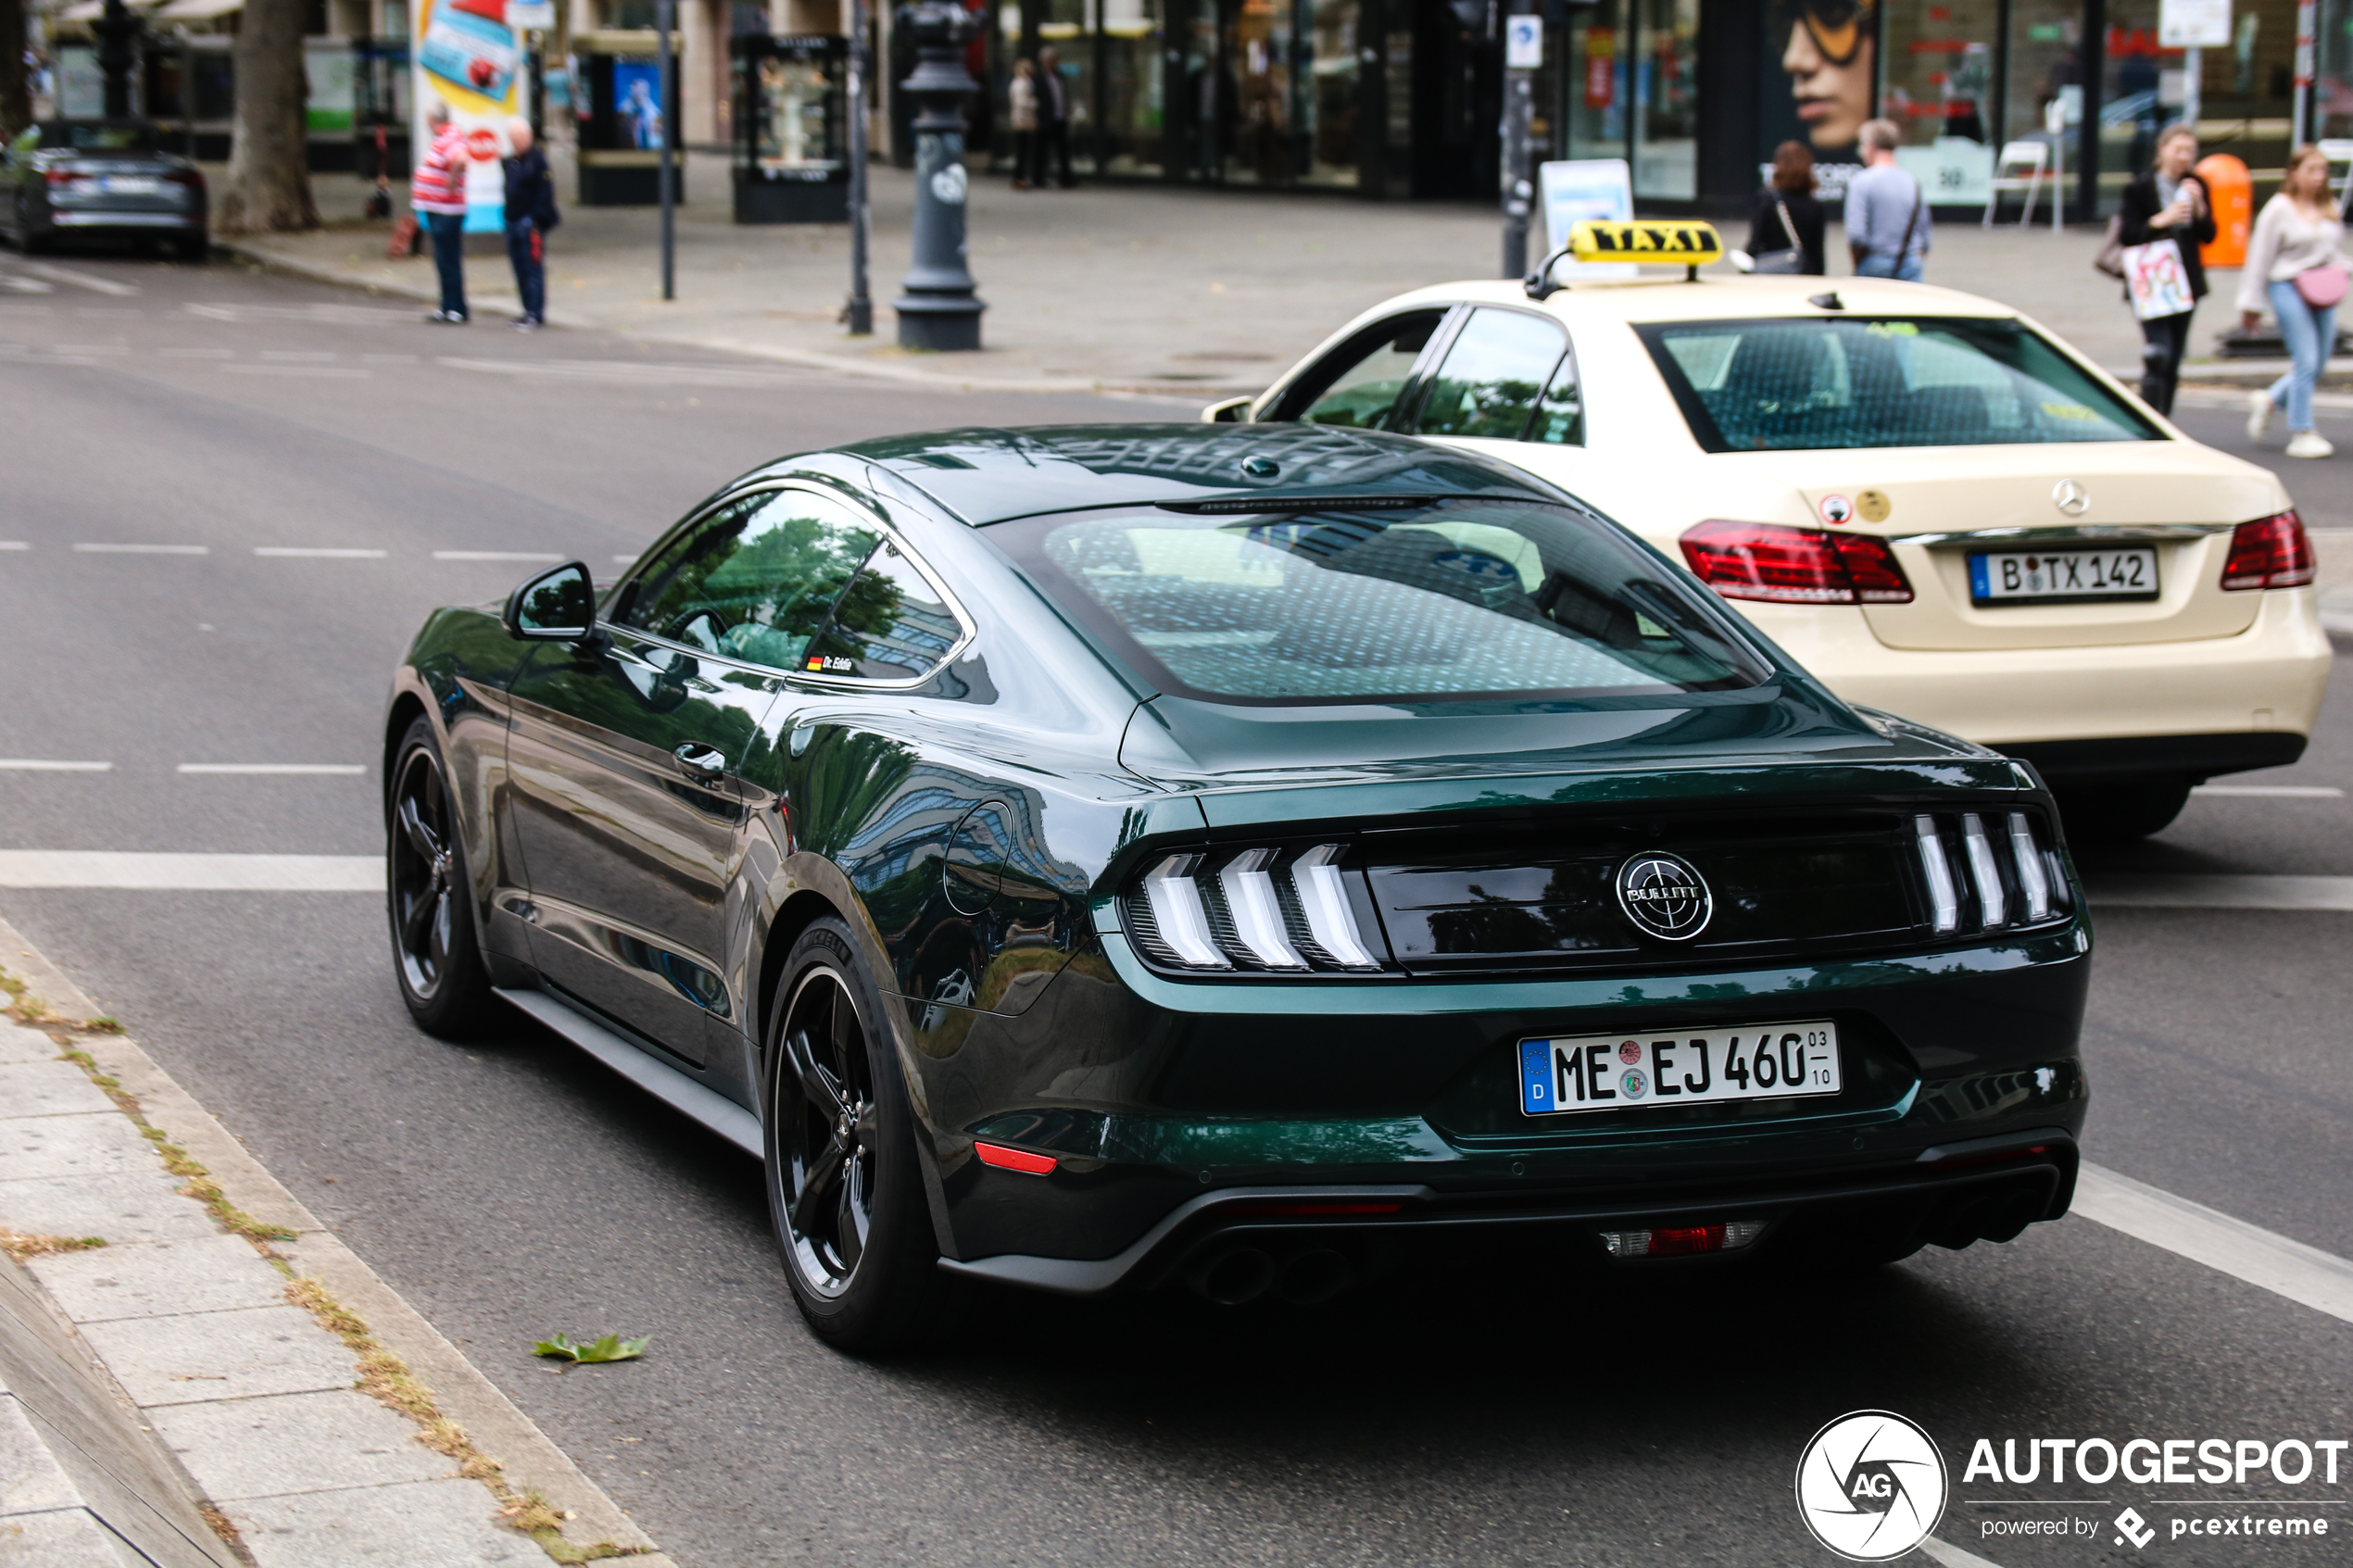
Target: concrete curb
{"type": "Point", "coordinates": [528, 1460]}
{"type": "Point", "coordinates": [1206, 392]}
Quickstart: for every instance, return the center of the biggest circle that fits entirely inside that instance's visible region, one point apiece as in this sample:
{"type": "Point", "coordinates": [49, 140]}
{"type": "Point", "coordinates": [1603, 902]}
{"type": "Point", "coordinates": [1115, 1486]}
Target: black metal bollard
{"type": "Point", "coordinates": [940, 309]}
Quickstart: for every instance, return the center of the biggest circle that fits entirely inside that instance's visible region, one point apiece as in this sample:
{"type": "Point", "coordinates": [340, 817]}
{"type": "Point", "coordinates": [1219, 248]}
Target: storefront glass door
{"type": "Point", "coordinates": [1594, 95]}
{"type": "Point", "coordinates": [1938, 87]}
{"type": "Point", "coordinates": [1665, 81]}
{"type": "Point", "coordinates": [1132, 99]}
{"type": "Point", "coordinates": [1328, 96]}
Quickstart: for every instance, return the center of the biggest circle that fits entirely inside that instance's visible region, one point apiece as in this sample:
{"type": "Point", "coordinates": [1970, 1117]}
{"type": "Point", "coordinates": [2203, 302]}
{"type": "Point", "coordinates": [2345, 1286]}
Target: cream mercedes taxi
{"type": "Point", "coordinates": [1936, 505]}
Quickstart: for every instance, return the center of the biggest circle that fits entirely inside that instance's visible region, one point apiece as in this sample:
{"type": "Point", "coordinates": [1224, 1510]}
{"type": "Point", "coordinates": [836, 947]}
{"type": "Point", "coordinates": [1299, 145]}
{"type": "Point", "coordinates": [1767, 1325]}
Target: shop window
{"type": "Point", "coordinates": [1665, 81]}
{"type": "Point", "coordinates": [1329, 98]}
{"type": "Point", "coordinates": [1132, 96]}
{"type": "Point", "coordinates": [1256, 39]}
{"type": "Point", "coordinates": [1594, 87]}
{"type": "Point", "coordinates": [2046, 63]}
{"type": "Point", "coordinates": [1067, 28]}
{"type": "Point", "coordinates": [1938, 87]}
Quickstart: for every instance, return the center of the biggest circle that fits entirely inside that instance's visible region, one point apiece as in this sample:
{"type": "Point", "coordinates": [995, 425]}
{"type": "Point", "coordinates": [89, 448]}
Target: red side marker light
{"type": "Point", "coordinates": [1020, 1159]}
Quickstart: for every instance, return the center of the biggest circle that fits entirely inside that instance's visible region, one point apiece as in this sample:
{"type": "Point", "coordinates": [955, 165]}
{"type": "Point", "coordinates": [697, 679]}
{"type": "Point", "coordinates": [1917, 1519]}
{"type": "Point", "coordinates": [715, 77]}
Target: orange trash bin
{"type": "Point", "coordinates": [2232, 192]}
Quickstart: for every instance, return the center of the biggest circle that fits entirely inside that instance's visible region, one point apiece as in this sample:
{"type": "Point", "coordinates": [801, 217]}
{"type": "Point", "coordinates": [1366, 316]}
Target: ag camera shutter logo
{"type": "Point", "coordinates": [1871, 1486]}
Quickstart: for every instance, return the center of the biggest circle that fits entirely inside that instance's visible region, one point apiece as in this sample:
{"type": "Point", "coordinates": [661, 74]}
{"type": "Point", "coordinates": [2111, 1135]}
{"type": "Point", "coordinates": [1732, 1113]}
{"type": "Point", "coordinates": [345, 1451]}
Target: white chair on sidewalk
{"type": "Point", "coordinates": [2021, 167]}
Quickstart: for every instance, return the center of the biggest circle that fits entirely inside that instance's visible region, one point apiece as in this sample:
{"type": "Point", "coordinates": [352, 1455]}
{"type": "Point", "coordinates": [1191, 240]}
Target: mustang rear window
{"type": "Point", "coordinates": [1797, 384]}
{"type": "Point", "coordinates": [1454, 600]}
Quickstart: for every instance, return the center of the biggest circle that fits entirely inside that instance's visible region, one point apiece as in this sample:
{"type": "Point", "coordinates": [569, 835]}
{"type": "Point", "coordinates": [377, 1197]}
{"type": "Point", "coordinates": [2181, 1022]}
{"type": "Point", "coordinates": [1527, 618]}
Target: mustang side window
{"type": "Point", "coordinates": [1497, 370]}
{"type": "Point", "coordinates": [888, 625]}
{"type": "Point", "coordinates": [1358, 384]}
{"type": "Point", "coordinates": [753, 581]}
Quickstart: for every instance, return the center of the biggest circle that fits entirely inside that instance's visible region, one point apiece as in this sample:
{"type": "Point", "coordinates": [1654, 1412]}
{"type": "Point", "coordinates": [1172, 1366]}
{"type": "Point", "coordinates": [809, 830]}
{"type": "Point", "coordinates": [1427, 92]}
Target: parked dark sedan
{"type": "Point", "coordinates": [67, 178]}
{"type": "Point", "coordinates": [1098, 857]}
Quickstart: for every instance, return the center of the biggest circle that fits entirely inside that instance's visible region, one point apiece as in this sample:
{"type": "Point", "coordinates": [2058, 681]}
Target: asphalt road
{"type": "Point", "coordinates": [511, 1188]}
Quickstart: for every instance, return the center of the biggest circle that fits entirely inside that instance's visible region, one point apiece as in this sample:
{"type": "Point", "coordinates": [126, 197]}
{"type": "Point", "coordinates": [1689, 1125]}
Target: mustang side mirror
{"type": "Point", "coordinates": [558, 606]}
{"type": "Point", "coordinates": [1229, 411]}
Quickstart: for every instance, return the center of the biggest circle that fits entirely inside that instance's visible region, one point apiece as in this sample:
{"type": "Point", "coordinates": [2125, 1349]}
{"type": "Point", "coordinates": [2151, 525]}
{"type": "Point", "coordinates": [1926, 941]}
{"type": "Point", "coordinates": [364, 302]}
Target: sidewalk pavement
{"type": "Point", "coordinates": [187, 1345]}
{"type": "Point", "coordinates": [1175, 292]}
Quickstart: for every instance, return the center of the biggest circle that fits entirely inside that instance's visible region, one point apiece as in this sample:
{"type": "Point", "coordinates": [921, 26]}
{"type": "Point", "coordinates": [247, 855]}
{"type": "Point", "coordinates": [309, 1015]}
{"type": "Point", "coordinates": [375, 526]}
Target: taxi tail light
{"type": "Point", "coordinates": [2271, 552]}
{"type": "Point", "coordinates": [1994, 869]}
{"type": "Point", "coordinates": [1260, 908]}
{"type": "Point", "coordinates": [1770, 561]}
{"type": "Point", "coordinates": [1683, 1241]}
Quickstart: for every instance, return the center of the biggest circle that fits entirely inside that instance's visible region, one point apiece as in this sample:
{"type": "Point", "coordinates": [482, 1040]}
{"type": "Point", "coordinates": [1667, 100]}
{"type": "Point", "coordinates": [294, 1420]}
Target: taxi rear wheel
{"type": "Point", "coordinates": [2122, 811]}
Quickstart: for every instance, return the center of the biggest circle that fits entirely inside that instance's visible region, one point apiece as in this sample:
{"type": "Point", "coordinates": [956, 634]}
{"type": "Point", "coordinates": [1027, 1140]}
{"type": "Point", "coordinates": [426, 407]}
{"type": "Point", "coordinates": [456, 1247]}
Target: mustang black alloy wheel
{"type": "Point", "coordinates": [844, 1189]}
{"type": "Point", "coordinates": [428, 896]}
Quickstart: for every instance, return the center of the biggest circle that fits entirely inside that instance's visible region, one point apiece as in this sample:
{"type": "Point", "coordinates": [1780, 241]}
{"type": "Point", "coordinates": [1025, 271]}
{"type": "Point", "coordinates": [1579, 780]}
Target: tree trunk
{"type": "Point", "coordinates": [15, 100]}
{"type": "Point", "coordinates": [269, 185]}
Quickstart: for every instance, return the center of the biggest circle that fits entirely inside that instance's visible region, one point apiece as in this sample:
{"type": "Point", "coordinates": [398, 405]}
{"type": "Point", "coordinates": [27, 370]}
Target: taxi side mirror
{"type": "Point", "coordinates": [1227, 411]}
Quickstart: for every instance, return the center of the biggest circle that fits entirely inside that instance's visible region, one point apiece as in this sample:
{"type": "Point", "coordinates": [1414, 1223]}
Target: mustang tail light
{"type": "Point", "coordinates": [1992, 870]}
{"type": "Point", "coordinates": [1766, 561]}
{"type": "Point", "coordinates": [1683, 1241]}
{"type": "Point", "coordinates": [2271, 552]}
{"type": "Point", "coordinates": [1258, 908]}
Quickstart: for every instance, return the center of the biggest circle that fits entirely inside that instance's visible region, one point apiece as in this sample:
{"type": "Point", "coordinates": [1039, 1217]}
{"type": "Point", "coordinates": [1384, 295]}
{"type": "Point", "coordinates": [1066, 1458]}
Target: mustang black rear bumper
{"type": "Point", "coordinates": [1951, 1194]}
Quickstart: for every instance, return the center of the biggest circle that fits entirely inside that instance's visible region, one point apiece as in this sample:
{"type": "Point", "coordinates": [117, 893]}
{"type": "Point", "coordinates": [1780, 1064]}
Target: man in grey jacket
{"type": "Point", "coordinates": [1886, 210]}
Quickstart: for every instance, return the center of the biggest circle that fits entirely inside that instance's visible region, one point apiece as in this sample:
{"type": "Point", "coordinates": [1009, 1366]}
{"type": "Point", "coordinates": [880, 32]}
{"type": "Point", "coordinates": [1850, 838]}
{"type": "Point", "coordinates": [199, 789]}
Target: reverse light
{"type": "Point", "coordinates": [1683, 1241]}
{"type": "Point", "coordinates": [1258, 918]}
{"type": "Point", "coordinates": [2271, 552]}
{"type": "Point", "coordinates": [1324, 902]}
{"type": "Point", "coordinates": [1992, 904]}
{"type": "Point", "coordinates": [2033, 881]}
{"type": "Point", "coordinates": [1945, 903]}
{"type": "Point", "coordinates": [1770, 561]}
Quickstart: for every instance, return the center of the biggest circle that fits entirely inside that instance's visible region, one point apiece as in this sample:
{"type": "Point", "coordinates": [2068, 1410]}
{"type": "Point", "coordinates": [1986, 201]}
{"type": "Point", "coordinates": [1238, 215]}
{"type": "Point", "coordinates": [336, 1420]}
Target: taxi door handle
{"type": "Point", "coordinates": [701, 763]}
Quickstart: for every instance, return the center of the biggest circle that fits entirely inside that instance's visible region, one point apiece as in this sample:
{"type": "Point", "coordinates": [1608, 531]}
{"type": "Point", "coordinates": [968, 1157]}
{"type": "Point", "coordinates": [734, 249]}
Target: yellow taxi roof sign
{"type": "Point", "coordinates": [1673, 242]}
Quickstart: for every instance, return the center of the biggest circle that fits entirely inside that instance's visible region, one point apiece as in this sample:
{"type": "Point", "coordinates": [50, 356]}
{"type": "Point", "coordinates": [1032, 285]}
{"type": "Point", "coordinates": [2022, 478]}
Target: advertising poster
{"type": "Point", "coordinates": [1576, 189]}
{"type": "Point", "coordinates": [467, 57]}
{"type": "Point", "coordinates": [1820, 61]}
{"type": "Point", "coordinates": [637, 103]}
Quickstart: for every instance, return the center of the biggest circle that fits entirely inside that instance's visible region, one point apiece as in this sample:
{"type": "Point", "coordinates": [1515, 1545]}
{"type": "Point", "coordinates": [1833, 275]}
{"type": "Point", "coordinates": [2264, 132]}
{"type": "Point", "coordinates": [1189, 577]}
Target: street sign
{"type": "Point", "coordinates": [2194, 24]}
{"type": "Point", "coordinates": [1524, 43]}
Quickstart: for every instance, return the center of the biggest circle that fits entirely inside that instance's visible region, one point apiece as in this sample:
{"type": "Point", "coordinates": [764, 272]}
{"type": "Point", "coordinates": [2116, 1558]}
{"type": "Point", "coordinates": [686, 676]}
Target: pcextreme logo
{"type": "Point", "coordinates": [1871, 1486]}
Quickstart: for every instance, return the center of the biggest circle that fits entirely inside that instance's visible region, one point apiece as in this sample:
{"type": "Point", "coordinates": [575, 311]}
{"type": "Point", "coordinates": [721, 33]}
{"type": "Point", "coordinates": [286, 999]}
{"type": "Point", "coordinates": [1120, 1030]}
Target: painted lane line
{"type": "Point", "coordinates": [191, 872]}
{"type": "Point", "coordinates": [88, 348]}
{"type": "Point", "coordinates": [116, 310]}
{"type": "Point", "coordinates": [2126, 890]}
{"type": "Point", "coordinates": [198, 353]}
{"type": "Point", "coordinates": [1951, 1556]}
{"type": "Point", "coordinates": [306, 552]}
{"type": "Point", "coordinates": [388, 359]}
{"type": "Point", "coordinates": [143, 549]}
{"type": "Point", "coordinates": [326, 372]}
{"type": "Point", "coordinates": [300, 356]}
{"type": "Point", "coordinates": [45, 765]}
{"type": "Point", "coordinates": [319, 769]}
{"type": "Point", "coordinates": [14, 545]}
{"type": "Point", "coordinates": [78, 279]}
{"type": "Point", "coordinates": [2275, 791]}
{"type": "Point", "coordinates": [618, 560]}
{"type": "Point", "coordinates": [2277, 1263]}
{"type": "Point", "coordinates": [493, 555]}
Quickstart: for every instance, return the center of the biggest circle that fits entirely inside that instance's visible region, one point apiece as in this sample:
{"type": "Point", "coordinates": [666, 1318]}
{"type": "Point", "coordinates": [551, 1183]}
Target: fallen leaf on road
{"type": "Point", "coordinates": [611, 1347]}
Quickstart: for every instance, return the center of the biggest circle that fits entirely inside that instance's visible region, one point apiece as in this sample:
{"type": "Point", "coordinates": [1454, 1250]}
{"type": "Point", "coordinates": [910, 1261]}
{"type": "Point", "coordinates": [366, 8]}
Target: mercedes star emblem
{"type": "Point", "coordinates": [2070, 498]}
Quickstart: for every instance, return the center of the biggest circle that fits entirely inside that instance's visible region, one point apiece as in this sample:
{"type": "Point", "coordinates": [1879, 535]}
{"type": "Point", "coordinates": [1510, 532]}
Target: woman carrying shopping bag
{"type": "Point", "coordinates": [2296, 261]}
{"type": "Point", "coordinates": [2166, 207]}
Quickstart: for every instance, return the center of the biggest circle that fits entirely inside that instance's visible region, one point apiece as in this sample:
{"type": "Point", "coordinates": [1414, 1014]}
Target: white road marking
{"type": "Point", "coordinates": [185, 872]}
{"type": "Point", "coordinates": [79, 279]}
{"type": "Point", "coordinates": [107, 310]}
{"type": "Point", "coordinates": [40, 765]}
{"type": "Point", "coordinates": [14, 545]}
{"type": "Point", "coordinates": [2162, 891]}
{"type": "Point", "coordinates": [299, 355]}
{"type": "Point", "coordinates": [25, 285]}
{"type": "Point", "coordinates": [324, 372]}
{"type": "Point", "coordinates": [338, 315]}
{"type": "Point", "coordinates": [492, 554]}
{"type": "Point", "coordinates": [87, 348]}
{"type": "Point", "coordinates": [620, 560]}
{"type": "Point", "coordinates": [145, 549]}
{"type": "Point", "coordinates": [2275, 791]}
{"type": "Point", "coordinates": [389, 358]}
{"type": "Point", "coordinates": [198, 353]}
{"type": "Point", "coordinates": [631, 373]}
{"type": "Point", "coordinates": [1951, 1556]}
{"type": "Point", "coordinates": [320, 553]}
{"type": "Point", "coordinates": [2285, 1267]}
{"type": "Point", "coordinates": [322, 769]}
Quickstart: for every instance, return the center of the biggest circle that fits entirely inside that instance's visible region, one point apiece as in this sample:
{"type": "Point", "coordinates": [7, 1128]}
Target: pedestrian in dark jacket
{"type": "Point", "coordinates": [1792, 192]}
{"type": "Point", "coordinates": [2168, 203]}
{"type": "Point", "coordinates": [531, 212]}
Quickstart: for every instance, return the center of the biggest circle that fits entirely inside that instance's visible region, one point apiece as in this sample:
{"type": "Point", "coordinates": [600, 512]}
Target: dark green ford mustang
{"type": "Point", "coordinates": [1099, 857]}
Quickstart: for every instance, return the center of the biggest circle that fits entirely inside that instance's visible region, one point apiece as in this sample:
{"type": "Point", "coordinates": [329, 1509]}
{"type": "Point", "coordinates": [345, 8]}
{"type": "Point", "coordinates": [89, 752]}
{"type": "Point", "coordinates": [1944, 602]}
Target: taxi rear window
{"type": "Point", "coordinates": [1792, 384]}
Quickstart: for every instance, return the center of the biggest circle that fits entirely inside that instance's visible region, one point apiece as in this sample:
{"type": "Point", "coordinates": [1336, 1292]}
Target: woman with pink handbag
{"type": "Point", "coordinates": [2296, 261]}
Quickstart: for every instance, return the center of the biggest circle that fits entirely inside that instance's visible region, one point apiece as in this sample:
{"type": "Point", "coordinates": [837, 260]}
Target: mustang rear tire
{"type": "Point", "coordinates": [436, 960]}
{"type": "Point", "coordinates": [845, 1193]}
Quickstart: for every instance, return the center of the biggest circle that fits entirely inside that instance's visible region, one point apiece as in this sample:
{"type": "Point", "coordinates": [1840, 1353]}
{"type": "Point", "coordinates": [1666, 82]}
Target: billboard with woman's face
{"type": "Point", "coordinates": [1821, 59]}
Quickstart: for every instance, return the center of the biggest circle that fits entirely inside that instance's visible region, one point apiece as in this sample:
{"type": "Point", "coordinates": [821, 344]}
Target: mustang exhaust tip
{"type": "Point", "coordinates": [1232, 1277]}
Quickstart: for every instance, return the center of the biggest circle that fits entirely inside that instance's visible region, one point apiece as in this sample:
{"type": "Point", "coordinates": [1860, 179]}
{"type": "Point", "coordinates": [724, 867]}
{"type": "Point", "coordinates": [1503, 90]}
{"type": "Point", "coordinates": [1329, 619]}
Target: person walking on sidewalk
{"type": "Point", "coordinates": [531, 213]}
{"type": "Point", "coordinates": [1787, 222]}
{"type": "Point", "coordinates": [1886, 210]}
{"type": "Point", "coordinates": [437, 190]}
{"type": "Point", "coordinates": [2296, 262]}
{"type": "Point", "coordinates": [2168, 203]}
{"type": "Point", "coordinates": [1053, 120]}
{"type": "Point", "coordinates": [1021, 114]}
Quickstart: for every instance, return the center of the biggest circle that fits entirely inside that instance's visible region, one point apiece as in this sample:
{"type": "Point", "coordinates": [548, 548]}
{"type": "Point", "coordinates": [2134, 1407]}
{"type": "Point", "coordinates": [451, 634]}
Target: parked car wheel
{"type": "Point", "coordinates": [844, 1190]}
{"type": "Point", "coordinates": [437, 955]}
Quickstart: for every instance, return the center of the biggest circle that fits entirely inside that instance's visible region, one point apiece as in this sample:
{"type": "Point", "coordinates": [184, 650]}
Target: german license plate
{"type": "Point", "coordinates": [2060, 576]}
{"type": "Point", "coordinates": [1624, 1072]}
{"type": "Point", "coordinates": [129, 184]}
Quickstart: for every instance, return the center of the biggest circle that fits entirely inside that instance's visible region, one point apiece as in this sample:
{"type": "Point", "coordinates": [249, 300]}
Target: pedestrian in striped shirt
{"type": "Point", "coordinates": [437, 190]}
